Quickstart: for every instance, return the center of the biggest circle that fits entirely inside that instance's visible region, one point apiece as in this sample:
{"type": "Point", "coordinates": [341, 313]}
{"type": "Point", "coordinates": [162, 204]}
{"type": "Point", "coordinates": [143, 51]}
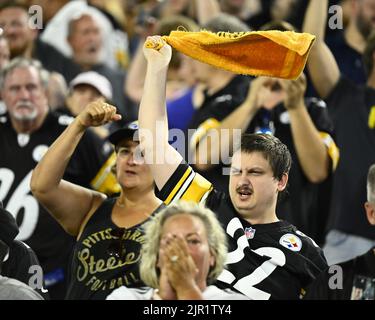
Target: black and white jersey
{"type": "Point", "coordinates": [266, 261]}
{"type": "Point", "coordinates": [19, 155]}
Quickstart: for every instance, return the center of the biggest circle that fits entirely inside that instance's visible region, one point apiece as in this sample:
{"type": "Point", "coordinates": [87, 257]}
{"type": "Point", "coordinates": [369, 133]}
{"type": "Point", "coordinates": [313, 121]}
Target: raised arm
{"type": "Point", "coordinates": [162, 157]}
{"type": "Point", "coordinates": [311, 151]}
{"type": "Point", "coordinates": [136, 75]}
{"type": "Point", "coordinates": [322, 65]}
{"type": "Point", "coordinates": [69, 203]}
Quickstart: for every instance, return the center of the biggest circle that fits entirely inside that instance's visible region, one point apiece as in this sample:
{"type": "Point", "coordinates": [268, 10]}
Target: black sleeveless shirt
{"type": "Point", "coordinates": [94, 272]}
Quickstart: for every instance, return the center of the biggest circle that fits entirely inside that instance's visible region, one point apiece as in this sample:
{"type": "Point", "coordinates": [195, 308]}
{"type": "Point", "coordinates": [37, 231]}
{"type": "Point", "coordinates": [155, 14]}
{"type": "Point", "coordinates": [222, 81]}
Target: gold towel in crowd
{"type": "Point", "coordinates": [281, 54]}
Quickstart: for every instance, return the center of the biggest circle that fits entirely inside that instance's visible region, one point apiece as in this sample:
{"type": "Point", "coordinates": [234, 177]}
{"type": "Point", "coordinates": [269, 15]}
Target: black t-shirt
{"type": "Point", "coordinates": [351, 280]}
{"type": "Point", "coordinates": [350, 108]}
{"type": "Point", "coordinates": [95, 273]}
{"type": "Point", "coordinates": [349, 60]}
{"type": "Point", "coordinates": [20, 153]}
{"type": "Point", "coordinates": [268, 261]}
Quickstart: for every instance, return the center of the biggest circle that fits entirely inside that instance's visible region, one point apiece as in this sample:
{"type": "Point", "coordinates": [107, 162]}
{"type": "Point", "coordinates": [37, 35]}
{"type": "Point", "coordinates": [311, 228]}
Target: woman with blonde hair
{"type": "Point", "coordinates": [183, 254]}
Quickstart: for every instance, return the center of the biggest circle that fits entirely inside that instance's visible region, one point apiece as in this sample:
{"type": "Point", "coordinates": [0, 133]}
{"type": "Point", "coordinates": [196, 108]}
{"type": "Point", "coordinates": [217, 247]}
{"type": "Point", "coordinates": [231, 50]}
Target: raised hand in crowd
{"type": "Point", "coordinates": [264, 92]}
{"type": "Point", "coordinates": [294, 92]}
{"type": "Point", "coordinates": [161, 56]}
{"type": "Point", "coordinates": [97, 113]}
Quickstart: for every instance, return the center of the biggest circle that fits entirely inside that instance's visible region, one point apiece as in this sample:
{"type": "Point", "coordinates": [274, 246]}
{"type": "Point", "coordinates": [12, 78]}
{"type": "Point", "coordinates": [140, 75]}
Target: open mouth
{"type": "Point", "coordinates": [244, 193]}
{"type": "Point", "coordinates": [92, 49]}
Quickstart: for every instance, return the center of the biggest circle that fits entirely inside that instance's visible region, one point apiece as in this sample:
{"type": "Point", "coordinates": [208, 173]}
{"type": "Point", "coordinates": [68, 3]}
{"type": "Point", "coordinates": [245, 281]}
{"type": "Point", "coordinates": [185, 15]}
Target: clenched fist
{"type": "Point", "coordinates": [157, 52]}
{"type": "Point", "coordinates": [97, 113]}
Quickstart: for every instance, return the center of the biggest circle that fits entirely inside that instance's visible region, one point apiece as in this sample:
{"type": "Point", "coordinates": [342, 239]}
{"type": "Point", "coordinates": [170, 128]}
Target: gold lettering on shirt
{"type": "Point", "coordinates": [90, 268]}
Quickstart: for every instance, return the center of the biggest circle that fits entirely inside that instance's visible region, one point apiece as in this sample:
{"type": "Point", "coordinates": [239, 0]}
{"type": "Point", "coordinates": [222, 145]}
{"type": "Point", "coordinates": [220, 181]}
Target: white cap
{"type": "Point", "coordinates": [95, 80]}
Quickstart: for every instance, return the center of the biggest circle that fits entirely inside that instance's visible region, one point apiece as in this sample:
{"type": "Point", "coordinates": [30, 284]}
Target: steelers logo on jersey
{"type": "Point", "coordinates": [39, 152]}
{"type": "Point", "coordinates": [291, 242]}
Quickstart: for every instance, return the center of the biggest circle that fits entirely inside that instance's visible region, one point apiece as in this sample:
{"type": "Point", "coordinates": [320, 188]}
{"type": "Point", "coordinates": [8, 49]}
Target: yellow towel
{"type": "Point", "coordinates": [281, 54]}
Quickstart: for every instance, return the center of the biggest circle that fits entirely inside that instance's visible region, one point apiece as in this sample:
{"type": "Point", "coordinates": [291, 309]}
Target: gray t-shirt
{"type": "Point", "coordinates": [211, 293]}
{"type": "Point", "coordinates": [11, 289]}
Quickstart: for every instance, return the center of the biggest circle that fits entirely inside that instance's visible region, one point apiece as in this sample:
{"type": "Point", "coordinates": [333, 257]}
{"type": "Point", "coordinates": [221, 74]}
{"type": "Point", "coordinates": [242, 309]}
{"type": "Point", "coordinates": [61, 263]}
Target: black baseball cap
{"type": "Point", "coordinates": [129, 131]}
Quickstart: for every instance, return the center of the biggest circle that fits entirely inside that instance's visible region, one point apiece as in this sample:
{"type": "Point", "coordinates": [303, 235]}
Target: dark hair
{"type": "Point", "coordinates": [276, 153]}
{"type": "Point", "coordinates": [367, 56]}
